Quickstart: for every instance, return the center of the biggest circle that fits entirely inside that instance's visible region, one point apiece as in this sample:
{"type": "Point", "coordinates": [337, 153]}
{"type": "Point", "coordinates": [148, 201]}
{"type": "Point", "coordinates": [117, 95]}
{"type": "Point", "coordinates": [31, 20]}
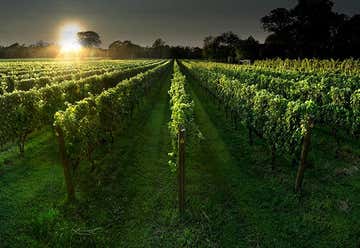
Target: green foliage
{"type": "Point", "coordinates": [25, 111]}
{"type": "Point", "coordinates": [278, 103]}
{"type": "Point", "coordinates": [277, 119]}
{"type": "Point", "coordinates": [355, 104]}
{"type": "Point", "coordinates": [182, 113]}
{"type": "Point", "coordinates": [92, 121]}
{"type": "Point", "coordinates": [23, 76]}
{"type": "Point", "coordinates": [329, 66]}
{"type": "Point", "coordinates": [89, 39]}
{"type": "Point", "coordinates": [231, 200]}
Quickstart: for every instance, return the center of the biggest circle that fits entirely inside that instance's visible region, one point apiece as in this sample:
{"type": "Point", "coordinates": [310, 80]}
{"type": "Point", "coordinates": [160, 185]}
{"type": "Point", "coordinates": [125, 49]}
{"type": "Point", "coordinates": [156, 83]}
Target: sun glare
{"type": "Point", "coordinates": [68, 39]}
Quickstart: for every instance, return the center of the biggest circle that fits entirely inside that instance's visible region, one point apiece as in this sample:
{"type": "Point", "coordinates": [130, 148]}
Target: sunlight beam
{"type": "Point", "coordinates": [69, 40]}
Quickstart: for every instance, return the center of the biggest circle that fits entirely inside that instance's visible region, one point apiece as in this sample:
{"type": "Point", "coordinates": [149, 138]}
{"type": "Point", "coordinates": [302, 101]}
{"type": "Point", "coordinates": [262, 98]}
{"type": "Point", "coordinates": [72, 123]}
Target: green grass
{"type": "Point", "coordinates": [30, 190]}
{"type": "Point", "coordinates": [233, 199]}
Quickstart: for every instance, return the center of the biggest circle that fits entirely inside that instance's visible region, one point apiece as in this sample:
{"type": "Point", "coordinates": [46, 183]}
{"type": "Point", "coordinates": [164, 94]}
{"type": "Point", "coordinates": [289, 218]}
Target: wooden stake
{"type": "Point", "coordinates": [66, 166]}
{"type": "Point", "coordinates": [304, 154]}
{"type": "Point", "coordinates": [181, 170]}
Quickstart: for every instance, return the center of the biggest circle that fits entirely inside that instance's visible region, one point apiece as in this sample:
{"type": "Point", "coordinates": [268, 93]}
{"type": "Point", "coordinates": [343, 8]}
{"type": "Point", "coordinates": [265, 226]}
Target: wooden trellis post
{"type": "Point", "coordinates": [181, 169]}
{"type": "Point", "coordinates": [66, 165]}
{"type": "Point", "coordinates": [304, 154]}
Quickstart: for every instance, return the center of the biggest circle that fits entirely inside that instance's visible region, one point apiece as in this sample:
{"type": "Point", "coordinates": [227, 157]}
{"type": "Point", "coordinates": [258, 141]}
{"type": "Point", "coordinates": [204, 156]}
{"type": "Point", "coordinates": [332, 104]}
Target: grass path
{"type": "Point", "coordinates": [216, 184]}
{"type": "Point", "coordinates": [140, 195]}
{"type": "Point", "coordinates": [30, 188]}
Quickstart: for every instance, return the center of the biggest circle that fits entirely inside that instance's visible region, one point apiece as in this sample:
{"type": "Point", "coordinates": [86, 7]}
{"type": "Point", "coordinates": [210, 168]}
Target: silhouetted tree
{"type": "Point", "coordinates": [89, 39]}
{"type": "Point", "coordinates": [313, 24]}
{"type": "Point", "coordinates": [179, 52]}
{"type": "Point", "coordinates": [196, 53]}
{"type": "Point", "coordinates": [158, 43]}
{"type": "Point", "coordinates": [280, 22]}
{"type": "Point", "coordinates": [16, 51]}
{"type": "Point", "coordinates": [209, 48]}
{"type": "Point", "coordinates": [227, 44]}
{"type": "Point", "coordinates": [352, 33]}
{"type": "Point", "coordinates": [248, 49]}
{"type": "Point", "coordinates": [347, 40]}
{"type": "Point", "coordinates": [43, 49]}
{"type": "Point", "coordinates": [310, 29]}
{"type": "Point", "coordinates": [160, 49]}
{"type": "Point", "coordinates": [228, 47]}
{"type": "Point", "coordinates": [125, 50]}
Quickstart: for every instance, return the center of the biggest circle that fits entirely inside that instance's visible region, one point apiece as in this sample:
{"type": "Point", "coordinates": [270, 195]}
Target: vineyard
{"type": "Point", "coordinates": [179, 153]}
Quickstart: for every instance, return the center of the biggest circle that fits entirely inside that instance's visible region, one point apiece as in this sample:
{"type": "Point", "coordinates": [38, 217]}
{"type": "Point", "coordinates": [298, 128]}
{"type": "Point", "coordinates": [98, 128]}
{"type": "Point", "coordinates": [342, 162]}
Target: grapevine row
{"type": "Point", "coordinates": [284, 124]}
{"type": "Point", "coordinates": [346, 67]}
{"type": "Point", "coordinates": [337, 105]}
{"type": "Point", "coordinates": [182, 112]}
{"type": "Point", "coordinates": [26, 111]}
{"type": "Point", "coordinates": [86, 125]}
{"type": "Point", "coordinates": [10, 84]}
{"type": "Point", "coordinates": [327, 80]}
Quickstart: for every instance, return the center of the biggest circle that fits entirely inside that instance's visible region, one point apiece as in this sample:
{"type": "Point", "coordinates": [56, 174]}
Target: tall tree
{"type": "Point", "coordinates": [209, 48]}
{"type": "Point", "coordinates": [248, 49]}
{"type": "Point", "coordinates": [158, 43]}
{"type": "Point", "coordinates": [314, 21]}
{"type": "Point", "coordinates": [227, 44]}
{"type": "Point", "coordinates": [347, 41]}
{"type": "Point", "coordinates": [89, 39]}
{"type": "Point", "coordinates": [229, 47]}
{"type": "Point", "coordinates": [125, 50]}
{"type": "Point", "coordinates": [280, 22]}
{"type": "Point", "coordinates": [308, 29]}
{"type": "Point", "coordinates": [160, 49]}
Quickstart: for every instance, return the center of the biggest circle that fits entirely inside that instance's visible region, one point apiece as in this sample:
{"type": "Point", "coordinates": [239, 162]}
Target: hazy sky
{"type": "Point", "coordinates": [184, 22]}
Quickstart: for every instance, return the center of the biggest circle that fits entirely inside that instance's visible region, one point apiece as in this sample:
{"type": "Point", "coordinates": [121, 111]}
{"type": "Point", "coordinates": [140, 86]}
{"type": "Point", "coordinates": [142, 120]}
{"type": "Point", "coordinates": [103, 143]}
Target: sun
{"type": "Point", "coordinates": [69, 40]}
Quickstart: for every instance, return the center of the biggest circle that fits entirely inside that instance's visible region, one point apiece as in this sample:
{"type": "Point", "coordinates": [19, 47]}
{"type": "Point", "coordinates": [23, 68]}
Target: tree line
{"type": "Point", "coordinates": [311, 29]}
{"type": "Point", "coordinates": [90, 41]}
{"type": "Point", "coordinates": [159, 49]}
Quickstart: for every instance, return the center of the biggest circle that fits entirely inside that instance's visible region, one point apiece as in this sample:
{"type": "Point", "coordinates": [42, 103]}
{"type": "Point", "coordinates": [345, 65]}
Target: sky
{"type": "Point", "coordinates": [180, 22]}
